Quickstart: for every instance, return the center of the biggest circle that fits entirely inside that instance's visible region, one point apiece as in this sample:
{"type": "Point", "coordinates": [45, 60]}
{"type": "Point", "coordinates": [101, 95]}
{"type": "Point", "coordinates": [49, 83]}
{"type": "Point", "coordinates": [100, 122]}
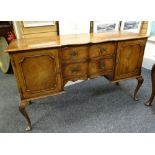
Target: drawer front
{"type": "Point", "coordinates": [102, 49]}
{"type": "Point", "coordinates": [101, 66]}
{"type": "Point", "coordinates": [74, 53]}
{"type": "Point", "coordinates": [76, 69]}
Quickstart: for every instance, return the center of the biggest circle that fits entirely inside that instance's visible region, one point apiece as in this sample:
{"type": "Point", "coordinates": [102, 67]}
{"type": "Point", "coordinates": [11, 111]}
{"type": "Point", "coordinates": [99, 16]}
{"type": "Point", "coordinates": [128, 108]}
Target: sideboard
{"type": "Point", "coordinates": [42, 66]}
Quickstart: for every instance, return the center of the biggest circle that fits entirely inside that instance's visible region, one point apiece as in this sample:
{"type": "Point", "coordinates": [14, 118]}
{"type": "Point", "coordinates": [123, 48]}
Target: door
{"type": "Point", "coordinates": [129, 58]}
{"type": "Point", "coordinates": [38, 72]}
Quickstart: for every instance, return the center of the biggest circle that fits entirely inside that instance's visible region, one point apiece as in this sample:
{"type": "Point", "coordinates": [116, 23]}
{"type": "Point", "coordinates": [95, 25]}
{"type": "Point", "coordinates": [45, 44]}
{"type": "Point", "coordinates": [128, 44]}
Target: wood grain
{"type": "Point", "coordinates": [43, 66]}
{"type": "Point", "coordinates": [66, 40]}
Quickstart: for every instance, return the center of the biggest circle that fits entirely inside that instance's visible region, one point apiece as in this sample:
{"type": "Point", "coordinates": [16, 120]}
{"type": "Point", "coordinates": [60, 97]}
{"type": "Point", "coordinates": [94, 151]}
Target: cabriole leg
{"type": "Point", "coordinates": [117, 83]}
{"type": "Point", "coordinates": [22, 107]}
{"type": "Point", "coordinates": [140, 82]}
{"type": "Point", "coordinates": [149, 102]}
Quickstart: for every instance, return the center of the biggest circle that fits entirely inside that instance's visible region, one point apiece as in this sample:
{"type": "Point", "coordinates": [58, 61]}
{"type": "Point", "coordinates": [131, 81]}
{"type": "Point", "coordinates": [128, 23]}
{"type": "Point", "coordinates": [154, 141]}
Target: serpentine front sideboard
{"type": "Point", "coordinates": [42, 66]}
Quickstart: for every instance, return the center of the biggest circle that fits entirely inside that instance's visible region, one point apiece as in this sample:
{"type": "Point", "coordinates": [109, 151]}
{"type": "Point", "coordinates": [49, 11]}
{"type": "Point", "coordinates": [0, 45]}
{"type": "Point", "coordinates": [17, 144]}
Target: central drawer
{"type": "Point", "coordinates": [75, 69]}
{"type": "Point", "coordinates": [102, 49]}
{"type": "Point", "coordinates": [100, 66]}
{"type": "Point", "coordinates": [74, 53]}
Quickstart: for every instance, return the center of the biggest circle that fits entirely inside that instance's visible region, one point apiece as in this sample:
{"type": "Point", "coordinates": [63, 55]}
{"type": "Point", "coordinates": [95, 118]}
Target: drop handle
{"type": "Point", "coordinates": [53, 85]}
{"type": "Point", "coordinates": [102, 50]}
{"type": "Point", "coordinates": [101, 66]}
{"type": "Point", "coordinates": [74, 70]}
{"type": "Point", "coordinates": [74, 54]}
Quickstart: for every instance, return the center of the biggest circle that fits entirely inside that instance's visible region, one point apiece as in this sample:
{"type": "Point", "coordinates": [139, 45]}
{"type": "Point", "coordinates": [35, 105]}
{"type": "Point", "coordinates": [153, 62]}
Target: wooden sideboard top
{"type": "Point", "coordinates": [64, 40]}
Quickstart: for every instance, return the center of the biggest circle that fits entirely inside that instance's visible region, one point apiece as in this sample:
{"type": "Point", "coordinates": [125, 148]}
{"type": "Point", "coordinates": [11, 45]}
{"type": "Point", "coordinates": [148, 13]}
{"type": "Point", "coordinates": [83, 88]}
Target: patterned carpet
{"type": "Point", "coordinates": [90, 106]}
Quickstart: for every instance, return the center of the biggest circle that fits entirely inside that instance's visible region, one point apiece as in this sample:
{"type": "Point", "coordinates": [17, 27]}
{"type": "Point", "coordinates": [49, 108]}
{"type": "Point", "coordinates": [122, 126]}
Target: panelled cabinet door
{"type": "Point", "coordinates": [38, 72]}
{"type": "Point", "coordinates": [129, 58]}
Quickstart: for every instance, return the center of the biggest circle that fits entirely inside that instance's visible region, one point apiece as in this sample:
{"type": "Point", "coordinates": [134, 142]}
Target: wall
{"type": "Point", "coordinates": [149, 55]}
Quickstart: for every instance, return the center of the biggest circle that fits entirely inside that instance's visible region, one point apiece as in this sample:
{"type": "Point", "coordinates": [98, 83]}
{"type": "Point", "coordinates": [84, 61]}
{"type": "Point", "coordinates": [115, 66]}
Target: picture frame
{"type": "Point", "coordinates": [37, 23]}
{"type": "Point", "coordinates": [105, 26]}
{"type": "Point", "coordinates": [131, 26]}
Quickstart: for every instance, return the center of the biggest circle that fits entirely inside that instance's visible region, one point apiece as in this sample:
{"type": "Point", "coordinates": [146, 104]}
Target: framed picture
{"type": "Point", "coordinates": [101, 26]}
{"type": "Point", "coordinates": [131, 26]}
{"type": "Point", "coordinates": [37, 23]}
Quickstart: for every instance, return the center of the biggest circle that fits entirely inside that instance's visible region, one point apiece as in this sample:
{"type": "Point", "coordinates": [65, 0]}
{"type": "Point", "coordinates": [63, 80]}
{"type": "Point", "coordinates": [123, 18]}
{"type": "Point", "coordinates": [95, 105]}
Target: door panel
{"type": "Point", "coordinates": [38, 72]}
{"type": "Point", "coordinates": [129, 59]}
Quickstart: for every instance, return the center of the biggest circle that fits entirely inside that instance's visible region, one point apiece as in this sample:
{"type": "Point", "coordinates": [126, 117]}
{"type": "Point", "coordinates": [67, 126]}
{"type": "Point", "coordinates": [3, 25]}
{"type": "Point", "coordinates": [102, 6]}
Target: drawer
{"type": "Point", "coordinates": [101, 49]}
{"type": "Point", "coordinates": [76, 69]}
{"type": "Point", "coordinates": [74, 53]}
{"type": "Point", "coordinates": [101, 65]}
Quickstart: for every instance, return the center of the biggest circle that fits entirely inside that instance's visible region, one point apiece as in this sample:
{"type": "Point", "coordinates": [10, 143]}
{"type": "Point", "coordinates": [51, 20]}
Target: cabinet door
{"type": "Point", "coordinates": [129, 58]}
{"type": "Point", "coordinates": [38, 72]}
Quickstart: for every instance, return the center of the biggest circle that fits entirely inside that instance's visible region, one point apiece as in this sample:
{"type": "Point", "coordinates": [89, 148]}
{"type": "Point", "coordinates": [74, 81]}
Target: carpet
{"type": "Point", "coordinates": [93, 106]}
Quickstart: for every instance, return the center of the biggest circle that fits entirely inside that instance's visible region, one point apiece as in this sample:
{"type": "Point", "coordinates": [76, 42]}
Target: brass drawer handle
{"type": "Point", "coordinates": [53, 85]}
{"type": "Point", "coordinates": [74, 70]}
{"type": "Point", "coordinates": [101, 66]}
{"type": "Point", "coordinates": [74, 54]}
{"type": "Point", "coordinates": [102, 50]}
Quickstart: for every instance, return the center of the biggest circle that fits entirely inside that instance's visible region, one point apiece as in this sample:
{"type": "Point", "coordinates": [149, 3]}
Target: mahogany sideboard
{"type": "Point", "coordinates": [42, 66]}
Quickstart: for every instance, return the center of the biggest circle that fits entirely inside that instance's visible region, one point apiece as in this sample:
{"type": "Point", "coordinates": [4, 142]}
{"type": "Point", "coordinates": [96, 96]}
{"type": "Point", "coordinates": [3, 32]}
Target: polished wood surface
{"type": "Point", "coordinates": [129, 58]}
{"type": "Point", "coordinates": [38, 73]}
{"type": "Point", "coordinates": [43, 66]}
{"type": "Point", "coordinates": [74, 53]}
{"type": "Point", "coordinates": [102, 49]}
{"type": "Point", "coordinates": [65, 40]}
{"type": "Point", "coordinates": [75, 69]}
{"type": "Point", "coordinates": [103, 65]}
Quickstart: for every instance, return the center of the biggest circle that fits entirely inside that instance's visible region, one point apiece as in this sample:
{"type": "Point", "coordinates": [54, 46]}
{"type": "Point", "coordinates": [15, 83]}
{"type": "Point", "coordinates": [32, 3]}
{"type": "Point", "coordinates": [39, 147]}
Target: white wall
{"type": "Point", "coordinates": [149, 56]}
{"type": "Point", "coordinates": [74, 27]}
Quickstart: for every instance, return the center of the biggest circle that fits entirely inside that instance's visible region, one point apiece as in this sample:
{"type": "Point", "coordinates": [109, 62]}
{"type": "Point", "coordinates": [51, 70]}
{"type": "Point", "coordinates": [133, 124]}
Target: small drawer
{"type": "Point", "coordinates": [101, 65]}
{"type": "Point", "coordinates": [102, 49]}
{"type": "Point", "coordinates": [75, 69]}
{"type": "Point", "coordinates": [74, 53]}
